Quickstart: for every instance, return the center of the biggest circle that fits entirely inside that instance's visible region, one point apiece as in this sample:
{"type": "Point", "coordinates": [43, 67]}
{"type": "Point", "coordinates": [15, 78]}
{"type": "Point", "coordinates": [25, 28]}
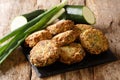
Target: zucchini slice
{"type": "Point", "coordinates": [80, 14]}
{"type": "Point", "coordinates": [23, 19]}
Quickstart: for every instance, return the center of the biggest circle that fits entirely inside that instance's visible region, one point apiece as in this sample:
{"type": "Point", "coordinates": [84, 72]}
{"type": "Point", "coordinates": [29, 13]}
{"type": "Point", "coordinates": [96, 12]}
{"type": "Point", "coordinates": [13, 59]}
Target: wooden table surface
{"type": "Point", "coordinates": [107, 13]}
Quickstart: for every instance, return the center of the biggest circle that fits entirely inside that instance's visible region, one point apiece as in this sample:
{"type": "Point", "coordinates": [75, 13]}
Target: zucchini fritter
{"type": "Point", "coordinates": [44, 53]}
{"type": "Point", "coordinates": [72, 53]}
{"type": "Point", "coordinates": [65, 38]}
{"type": "Point", "coordinates": [35, 37]}
{"type": "Point", "coordinates": [94, 41]}
{"type": "Point", "coordinates": [60, 26]}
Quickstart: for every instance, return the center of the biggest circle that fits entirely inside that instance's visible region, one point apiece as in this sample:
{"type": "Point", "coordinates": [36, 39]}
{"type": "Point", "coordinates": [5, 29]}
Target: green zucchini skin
{"type": "Point", "coordinates": [33, 14]}
{"type": "Point", "coordinates": [74, 13]}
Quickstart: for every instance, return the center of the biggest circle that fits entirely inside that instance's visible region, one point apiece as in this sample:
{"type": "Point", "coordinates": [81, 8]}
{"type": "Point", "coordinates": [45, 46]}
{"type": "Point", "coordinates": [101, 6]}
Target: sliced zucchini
{"type": "Point", "coordinates": [80, 14]}
{"type": "Point", "coordinates": [23, 19]}
{"type": "Point", "coordinates": [77, 13]}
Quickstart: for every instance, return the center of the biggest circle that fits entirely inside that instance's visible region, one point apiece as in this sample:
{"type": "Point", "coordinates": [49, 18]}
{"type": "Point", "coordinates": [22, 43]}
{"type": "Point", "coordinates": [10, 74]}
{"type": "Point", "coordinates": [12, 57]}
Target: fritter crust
{"type": "Point", "coordinates": [65, 38]}
{"type": "Point", "coordinates": [83, 27]}
{"type": "Point", "coordinates": [94, 41]}
{"type": "Point", "coordinates": [44, 53]}
{"type": "Point", "coordinates": [72, 53]}
{"type": "Point", "coordinates": [60, 26]}
{"type": "Point", "coordinates": [35, 37]}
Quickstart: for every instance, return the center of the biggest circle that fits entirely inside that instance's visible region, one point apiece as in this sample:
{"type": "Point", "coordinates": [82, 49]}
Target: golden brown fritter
{"type": "Point", "coordinates": [35, 37]}
{"type": "Point", "coordinates": [72, 53]}
{"type": "Point", "coordinates": [44, 53]}
{"type": "Point", "coordinates": [65, 38]}
{"type": "Point", "coordinates": [94, 41]}
{"type": "Point", "coordinates": [83, 27]}
{"type": "Point", "coordinates": [60, 26]}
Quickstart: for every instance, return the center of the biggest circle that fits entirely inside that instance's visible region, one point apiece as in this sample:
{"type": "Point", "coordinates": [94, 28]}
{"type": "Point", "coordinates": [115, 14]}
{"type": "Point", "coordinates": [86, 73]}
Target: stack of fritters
{"type": "Point", "coordinates": [58, 42]}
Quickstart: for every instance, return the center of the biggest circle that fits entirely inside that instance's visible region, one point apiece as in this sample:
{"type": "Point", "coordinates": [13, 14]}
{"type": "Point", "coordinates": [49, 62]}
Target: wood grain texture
{"type": "Point", "coordinates": [107, 13]}
{"type": "Point", "coordinates": [109, 71]}
{"type": "Point", "coordinates": [16, 66]}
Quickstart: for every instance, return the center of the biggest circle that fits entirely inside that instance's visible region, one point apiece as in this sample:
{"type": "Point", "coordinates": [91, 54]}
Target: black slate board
{"type": "Point", "coordinates": [57, 68]}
